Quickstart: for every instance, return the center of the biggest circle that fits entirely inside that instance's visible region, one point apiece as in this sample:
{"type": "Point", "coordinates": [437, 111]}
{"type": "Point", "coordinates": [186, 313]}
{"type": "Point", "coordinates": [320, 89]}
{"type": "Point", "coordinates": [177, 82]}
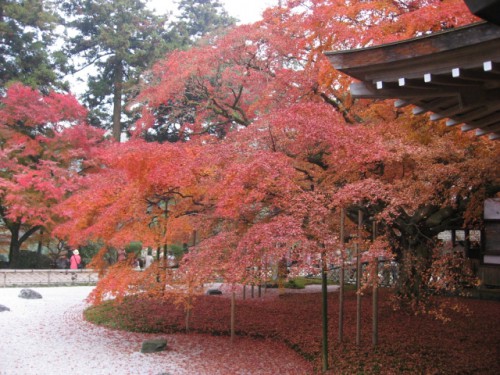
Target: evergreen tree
{"type": "Point", "coordinates": [27, 35]}
{"type": "Point", "coordinates": [198, 18]}
{"type": "Point", "coordinates": [119, 39]}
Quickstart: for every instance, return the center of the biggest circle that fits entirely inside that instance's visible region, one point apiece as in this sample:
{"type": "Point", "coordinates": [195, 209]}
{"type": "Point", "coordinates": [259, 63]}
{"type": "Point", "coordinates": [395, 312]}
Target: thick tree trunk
{"type": "Point", "coordinates": [15, 245]}
{"type": "Point", "coordinates": [16, 240]}
{"type": "Point", "coordinates": [414, 263]}
{"type": "Point", "coordinates": [117, 101]}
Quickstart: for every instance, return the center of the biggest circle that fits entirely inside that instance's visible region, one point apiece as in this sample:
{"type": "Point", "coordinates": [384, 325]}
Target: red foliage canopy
{"type": "Point", "coordinates": [45, 145]}
{"type": "Point", "coordinates": [275, 147]}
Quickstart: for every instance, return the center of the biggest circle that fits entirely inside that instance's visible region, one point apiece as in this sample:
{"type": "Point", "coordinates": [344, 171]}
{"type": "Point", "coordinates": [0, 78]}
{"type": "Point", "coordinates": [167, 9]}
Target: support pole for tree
{"type": "Point", "coordinates": [233, 312]}
{"type": "Point", "coordinates": [324, 313]}
{"type": "Point", "coordinates": [358, 280]}
{"type": "Point", "coordinates": [158, 274]}
{"type": "Point", "coordinates": [467, 243]}
{"type": "Point", "coordinates": [188, 314]}
{"type": "Point", "coordinates": [375, 294]}
{"type": "Point", "coordinates": [341, 281]}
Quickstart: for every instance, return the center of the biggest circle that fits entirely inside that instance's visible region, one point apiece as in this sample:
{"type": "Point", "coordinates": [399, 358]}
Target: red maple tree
{"type": "Point", "coordinates": [44, 147]}
{"type": "Point", "coordinates": [275, 148]}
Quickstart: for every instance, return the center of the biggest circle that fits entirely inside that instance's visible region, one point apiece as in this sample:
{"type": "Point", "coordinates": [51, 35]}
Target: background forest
{"type": "Point", "coordinates": [241, 142]}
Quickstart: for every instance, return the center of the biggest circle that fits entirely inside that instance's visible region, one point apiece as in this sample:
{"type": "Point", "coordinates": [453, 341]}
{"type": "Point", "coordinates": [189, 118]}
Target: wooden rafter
{"type": "Point", "coordinates": [453, 74]}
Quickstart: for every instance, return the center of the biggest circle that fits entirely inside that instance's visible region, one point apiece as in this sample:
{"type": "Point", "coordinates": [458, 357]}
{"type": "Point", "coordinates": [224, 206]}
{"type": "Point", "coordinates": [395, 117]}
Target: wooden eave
{"type": "Point", "coordinates": [454, 74]}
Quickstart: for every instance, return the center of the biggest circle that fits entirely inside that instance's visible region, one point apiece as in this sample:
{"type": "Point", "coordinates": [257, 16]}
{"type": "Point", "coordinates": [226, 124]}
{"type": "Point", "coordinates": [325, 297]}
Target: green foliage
{"type": "Point", "coordinates": [27, 30]}
{"type": "Point", "coordinates": [295, 284]}
{"type": "Point", "coordinates": [134, 247]}
{"type": "Point", "coordinates": [177, 251]}
{"type": "Point", "coordinates": [198, 18]}
{"type": "Point", "coordinates": [102, 315]}
{"type": "Point", "coordinates": [88, 251]}
{"type": "Point", "coordinates": [120, 39]}
{"type": "Point", "coordinates": [33, 260]}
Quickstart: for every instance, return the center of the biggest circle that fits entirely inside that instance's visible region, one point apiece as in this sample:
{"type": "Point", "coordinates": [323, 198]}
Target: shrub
{"type": "Point", "coordinates": [33, 260]}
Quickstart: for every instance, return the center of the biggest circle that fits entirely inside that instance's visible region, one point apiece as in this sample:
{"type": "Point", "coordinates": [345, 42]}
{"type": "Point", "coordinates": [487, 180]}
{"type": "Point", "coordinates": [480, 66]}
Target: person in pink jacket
{"type": "Point", "coordinates": [75, 260]}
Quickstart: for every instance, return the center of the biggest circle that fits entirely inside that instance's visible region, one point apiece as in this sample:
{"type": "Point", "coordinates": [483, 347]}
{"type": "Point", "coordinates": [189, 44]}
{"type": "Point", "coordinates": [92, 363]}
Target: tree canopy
{"type": "Point", "coordinates": [121, 39]}
{"type": "Point", "coordinates": [27, 33]}
{"type": "Point", "coordinates": [264, 145]}
{"type": "Point", "coordinates": [44, 147]}
{"type": "Point", "coordinates": [274, 147]}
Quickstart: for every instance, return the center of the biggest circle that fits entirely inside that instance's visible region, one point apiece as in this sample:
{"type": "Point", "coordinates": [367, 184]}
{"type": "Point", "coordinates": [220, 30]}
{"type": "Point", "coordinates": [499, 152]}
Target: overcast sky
{"type": "Point", "coordinates": [247, 11]}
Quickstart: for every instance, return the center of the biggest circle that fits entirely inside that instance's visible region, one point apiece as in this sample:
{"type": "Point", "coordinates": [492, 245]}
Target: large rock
{"type": "Point", "coordinates": [29, 294]}
{"type": "Point", "coordinates": [154, 345]}
{"type": "Point", "coordinates": [214, 292]}
{"type": "Point", "coordinates": [4, 308]}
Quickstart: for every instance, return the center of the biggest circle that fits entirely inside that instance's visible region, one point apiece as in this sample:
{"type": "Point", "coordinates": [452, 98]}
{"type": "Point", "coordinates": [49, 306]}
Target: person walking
{"type": "Point", "coordinates": [75, 260]}
{"type": "Point", "coordinates": [63, 262]}
{"type": "Point", "coordinates": [148, 259]}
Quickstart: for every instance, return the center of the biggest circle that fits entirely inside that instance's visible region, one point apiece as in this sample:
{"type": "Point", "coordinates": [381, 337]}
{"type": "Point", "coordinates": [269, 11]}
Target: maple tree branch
{"type": "Point", "coordinates": [15, 225]}
{"type": "Point", "coordinates": [335, 104]}
{"type": "Point", "coordinates": [28, 233]}
{"type": "Point", "coordinates": [309, 176]}
{"type": "Point", "coordinates": [220, 110]}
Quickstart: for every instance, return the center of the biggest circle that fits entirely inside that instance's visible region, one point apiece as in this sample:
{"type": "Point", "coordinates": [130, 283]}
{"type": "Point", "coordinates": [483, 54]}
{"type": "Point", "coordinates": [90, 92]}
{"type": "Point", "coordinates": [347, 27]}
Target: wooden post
{"type": "Point", "coordinates": [467, 243]}
{"type": "Point", "coordinates": [358, 280]}
{"type": "Point", "coordinates": [233, 309]}
{"type": "Point", "coordinates": [375, 294]}
{"type": "Point", "coordinates": [324, 312]}
{"type": "Point", "coordinates": [188, 314]}
{"type": "Point", "coordinates": [341, 281]}
{"type": "Point", "coordinates": [194, 237]}
{"type": "Point", "coordinates": [158, 274]}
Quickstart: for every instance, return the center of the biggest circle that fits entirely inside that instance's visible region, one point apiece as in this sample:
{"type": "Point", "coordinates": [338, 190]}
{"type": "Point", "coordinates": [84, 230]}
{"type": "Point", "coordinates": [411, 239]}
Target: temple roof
{"type": "Point", "coordinates": [453, 74]}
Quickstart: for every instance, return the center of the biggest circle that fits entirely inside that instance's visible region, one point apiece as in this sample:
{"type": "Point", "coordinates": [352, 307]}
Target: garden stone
{"type": "Point", "coordinates": [214, 292]}
{"type": "Point", "coordinates": [154, 345]}
{"type": "Point", "coordinates": [29, 294]}
{"type": "Point", "coordinates": [4, 308]}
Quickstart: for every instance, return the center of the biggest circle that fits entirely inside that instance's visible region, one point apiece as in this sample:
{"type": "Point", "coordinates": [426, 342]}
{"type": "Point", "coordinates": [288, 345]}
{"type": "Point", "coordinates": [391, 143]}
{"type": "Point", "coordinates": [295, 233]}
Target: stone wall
{"type": "Point", "coordinates": [50, 277]}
